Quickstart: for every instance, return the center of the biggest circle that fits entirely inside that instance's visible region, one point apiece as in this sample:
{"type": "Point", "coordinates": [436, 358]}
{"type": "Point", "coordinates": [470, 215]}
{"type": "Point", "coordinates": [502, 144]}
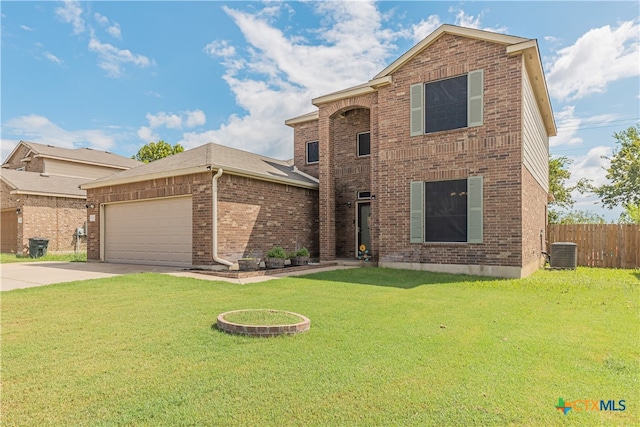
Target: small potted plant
{"type": "Point", "coordinates": [248, 263]}
{"type": "Point", "coordinates": [275, 257]}
{"type": "Point", "coordinates": [301, 257]}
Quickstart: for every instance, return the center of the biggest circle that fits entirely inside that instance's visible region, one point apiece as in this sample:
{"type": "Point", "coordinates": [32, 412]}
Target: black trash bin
{"type": "Point", "coordinates": [38, 247]}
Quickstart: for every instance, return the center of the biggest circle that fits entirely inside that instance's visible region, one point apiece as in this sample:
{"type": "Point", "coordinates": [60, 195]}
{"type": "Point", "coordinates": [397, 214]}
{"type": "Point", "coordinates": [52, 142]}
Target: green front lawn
{"type": "Point", "coordinates": [386, 347]}
{"type": "Point", "coordinates": [9, 258]}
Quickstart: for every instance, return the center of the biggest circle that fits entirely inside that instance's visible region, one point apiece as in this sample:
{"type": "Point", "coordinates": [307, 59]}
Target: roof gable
{"type": "Point", "coordinates": [88, 156]}
{"type": "Point", "coordinates": [206, 158]}
{"type": "Point", "coordinates": [448, 29]}
{"type": "Point", "coordinates": [528, 48]}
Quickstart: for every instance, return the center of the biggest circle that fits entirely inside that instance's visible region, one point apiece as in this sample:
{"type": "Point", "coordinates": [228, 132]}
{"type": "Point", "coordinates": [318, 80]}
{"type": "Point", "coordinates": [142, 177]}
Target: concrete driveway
{"type": "Point", "coordinates": [28, 274]}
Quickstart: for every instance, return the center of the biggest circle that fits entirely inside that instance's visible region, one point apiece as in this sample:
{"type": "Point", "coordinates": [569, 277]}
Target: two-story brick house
{"type": "Point", "coordinates": [40, 194]}
{"type": "Point", "coordinates": [440, 162]}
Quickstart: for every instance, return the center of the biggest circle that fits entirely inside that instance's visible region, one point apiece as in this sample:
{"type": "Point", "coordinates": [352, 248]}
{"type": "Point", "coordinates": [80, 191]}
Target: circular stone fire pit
{"type": "Point", "coordinates": [270, 325]}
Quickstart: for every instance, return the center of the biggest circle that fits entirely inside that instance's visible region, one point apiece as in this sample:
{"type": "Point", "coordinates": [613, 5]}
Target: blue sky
{"type": "Point", "coordinates": [117, 75]}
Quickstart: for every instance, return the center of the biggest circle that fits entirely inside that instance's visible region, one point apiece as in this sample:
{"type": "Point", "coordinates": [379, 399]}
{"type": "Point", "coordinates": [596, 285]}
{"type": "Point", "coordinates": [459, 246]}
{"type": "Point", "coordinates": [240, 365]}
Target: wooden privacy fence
{"type": "Point", "coordinates": [600, 245]}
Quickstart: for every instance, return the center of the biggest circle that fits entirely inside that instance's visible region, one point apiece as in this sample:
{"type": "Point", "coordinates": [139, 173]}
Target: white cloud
{"type": "Point", "coordinates": [470, 21]}
{"type": "Point", "coordinates": [112, 59]}
{"type": "Point", "coordinates": [591, 166]}
{"type": "Point", "coordinates": [40, 129]}
{"type": "Point", "coordinates": [114, 31]}
{"type": "Point", "coordinates": [424, 28]}
{"type": "Point", "coordinates": [276, 75]}
{"type": "Point", "coordinates": [599, 57]}
{"type": "Point", "coordinates": [171, 121]}
{"type": "Point", "coordinates": [195, 118]}
{"type": "Point", "coordinates": [24, 27]}
{"type": "Point", "coordinates": [568, 126]}
{"type": "Point", "coordinates": [146, 134]}
{"type": "Point", "coordinates": [220, 48]}
{"type": "Point", "coordinates": [187, 119]}
{"type": "Point", "coordinates": [71, 13]}
{"type": "Point", "coordinates": [101, 19]}
{"type": "Point", "coordinates": [6, 147]}
{"type": "Point", "coordinates": [51, 57]}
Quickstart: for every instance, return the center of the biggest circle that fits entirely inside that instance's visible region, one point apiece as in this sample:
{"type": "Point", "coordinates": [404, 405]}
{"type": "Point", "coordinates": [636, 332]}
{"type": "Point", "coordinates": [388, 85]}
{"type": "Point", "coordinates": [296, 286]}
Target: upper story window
{"type": "Point", "coordinates": [313, 155]}
{"type": "Point", "coordinates": [447, 104]}
{"type": "Point", "coordinates": [364, 144]}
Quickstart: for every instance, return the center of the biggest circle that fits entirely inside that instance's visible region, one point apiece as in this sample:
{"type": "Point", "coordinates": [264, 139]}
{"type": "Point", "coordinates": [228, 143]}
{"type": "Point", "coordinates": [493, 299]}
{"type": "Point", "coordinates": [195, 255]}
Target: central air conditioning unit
{"type": "Point", "coordinates": [564, 255]}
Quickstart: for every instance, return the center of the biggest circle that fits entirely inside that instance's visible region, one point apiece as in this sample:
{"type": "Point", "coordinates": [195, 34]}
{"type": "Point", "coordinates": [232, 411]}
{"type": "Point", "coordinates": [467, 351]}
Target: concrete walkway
{"type": "Point", "coordinates": [29, 274]}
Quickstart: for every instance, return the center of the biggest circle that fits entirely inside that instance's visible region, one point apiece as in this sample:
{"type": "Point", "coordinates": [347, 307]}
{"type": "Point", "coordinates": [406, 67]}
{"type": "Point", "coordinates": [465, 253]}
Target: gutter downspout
{"type": "Point", "coordinates": [214, 220]}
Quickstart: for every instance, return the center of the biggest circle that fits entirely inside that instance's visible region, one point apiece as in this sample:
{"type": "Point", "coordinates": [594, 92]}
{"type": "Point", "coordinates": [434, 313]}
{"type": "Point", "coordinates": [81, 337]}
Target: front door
{"type": "Point", "coordinates": [363, 226]}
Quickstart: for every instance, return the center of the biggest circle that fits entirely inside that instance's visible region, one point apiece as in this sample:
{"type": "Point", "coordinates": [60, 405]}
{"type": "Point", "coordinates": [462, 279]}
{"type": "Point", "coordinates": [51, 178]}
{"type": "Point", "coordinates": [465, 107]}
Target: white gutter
{"type": "Point", "coordinates": [214, 220]}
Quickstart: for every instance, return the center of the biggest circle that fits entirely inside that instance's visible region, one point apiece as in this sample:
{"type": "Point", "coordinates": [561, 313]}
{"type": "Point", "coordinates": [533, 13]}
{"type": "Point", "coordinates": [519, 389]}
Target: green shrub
{"type": "Point", "coordinates": [277, 252]}
{"type": "Point", "coordinates": [302, 252]}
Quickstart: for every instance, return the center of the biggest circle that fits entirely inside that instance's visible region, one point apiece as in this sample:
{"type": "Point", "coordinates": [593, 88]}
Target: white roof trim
{"type": "Point", "coordinates": [363, 89]}
{"type": "Point", "coordinates": [194, 170]}
{"type": "Point", "coordinates": [309, 117]}
{"type": "Point", "coordinates": [533, 67]}
{"type": "Point", "coordinates": [37, 193]}
{"type": "Point", "coordinates": [84, 162]}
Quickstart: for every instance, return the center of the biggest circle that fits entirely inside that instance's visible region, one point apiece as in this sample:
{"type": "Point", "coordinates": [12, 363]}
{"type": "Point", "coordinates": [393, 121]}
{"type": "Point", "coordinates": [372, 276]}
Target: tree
{"type": "Point", "coordinates": [580, 217]}
{"type": "Point", "coordinates": [157, 150]}
{"type": "Point", "coordinates": [623, 172]}
{"type": "Point", "coordinates": [561, 192]}
{"type": "Point", "coordinates": [631, 214]}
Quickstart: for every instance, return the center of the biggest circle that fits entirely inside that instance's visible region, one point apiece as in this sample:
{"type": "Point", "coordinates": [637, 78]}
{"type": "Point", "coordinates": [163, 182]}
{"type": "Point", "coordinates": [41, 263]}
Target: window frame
{"type": "Point", "coordinates": [358, 144]}
{"type": "Point", "coordinates": [474, 216]}
{"type": "Point", "coordinates": [446, 186]}
{"type": "Point", "coordinates": [306, 152]}
{"type": "Point", "coordinates": [475, 103]}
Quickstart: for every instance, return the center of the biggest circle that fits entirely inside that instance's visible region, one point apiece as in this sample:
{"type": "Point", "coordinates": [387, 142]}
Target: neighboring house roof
{"type": "Point", "coordinates": [209, 157]}
{"type": "Point", "coordinates": [79, 155]}
{"type": "Point", "coordinates": [37, 184]}
{"type": "Point", "coordinates": [514, 45]}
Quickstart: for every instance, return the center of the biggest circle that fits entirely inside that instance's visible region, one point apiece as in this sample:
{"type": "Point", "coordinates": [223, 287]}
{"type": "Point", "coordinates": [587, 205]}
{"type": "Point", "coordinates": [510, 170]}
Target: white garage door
{"type": "Point", "coordinates": [155, 232]}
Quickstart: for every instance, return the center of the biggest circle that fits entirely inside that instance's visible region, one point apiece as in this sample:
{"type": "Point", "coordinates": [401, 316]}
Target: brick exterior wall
{"type": "Point", "coordinates": [351, 174]}
{"type": "Point", "coordinates": [493, 150]}
{"type": "Point", "coordinates": [11, 201]}
{"type": "Point", "coordinates": [35, 165]}
{"type": "Point", "coordinates": [534, 220]}
{"type": "Point", "coordinates": [253, 215]}
{"type": "Point", "coordinates": [303, 133]}
{"type": "Point", "coordinates": [53, 218]}
{"type": "Point", "coordinates": [15, 163]}
{"type": "Point", "coordinates": [331, 164]}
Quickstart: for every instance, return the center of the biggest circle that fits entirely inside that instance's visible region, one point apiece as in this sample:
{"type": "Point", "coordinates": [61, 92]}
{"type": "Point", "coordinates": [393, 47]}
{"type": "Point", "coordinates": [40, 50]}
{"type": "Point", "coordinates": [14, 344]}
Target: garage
{"type": "Point", "coordinates": [154, 232]}
{"type": "Point", "coordinates": [9, 231]}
